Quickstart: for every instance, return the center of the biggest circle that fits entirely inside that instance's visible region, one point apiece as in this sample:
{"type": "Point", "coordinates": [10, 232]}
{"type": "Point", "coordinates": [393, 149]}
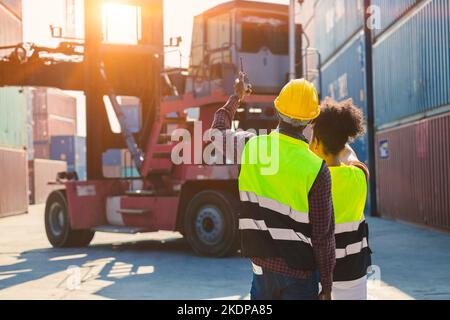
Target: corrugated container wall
{"type": "Point", "coordinates": [13, 123]}
{"type": "Point", "coordinates": [13, 118]}
{"type": "Point", "coordinates": [10, 24]}
{"type": "Point", "coordinates": [41, 172]}
{"type": "Point", "coordinates": [337, 21]}
{"type": "Point", "coordinates": [413, 172]}
{"type": "Point", "coordinates": [411, 65]}
{"type": "Point", "coordinates": [390, 11]}
{"type": "Point", "coordinates": [54, 102]}
{"type": "Point", "coordinates": [13, 104]}
{"type": "Point", "coordinates": [14, 5]}
{"type": "Point", "coordinates": [14, 182]}
{"type": "Point", "coordinates": [344, 77]}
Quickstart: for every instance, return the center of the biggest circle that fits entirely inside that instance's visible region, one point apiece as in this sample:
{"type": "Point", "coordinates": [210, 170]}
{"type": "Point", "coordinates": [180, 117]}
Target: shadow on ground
{"type": "Point", "coordinates": [152, 269]}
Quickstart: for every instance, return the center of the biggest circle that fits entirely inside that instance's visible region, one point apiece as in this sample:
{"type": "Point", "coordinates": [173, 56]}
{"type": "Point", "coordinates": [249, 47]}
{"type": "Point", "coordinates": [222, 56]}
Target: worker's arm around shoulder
{"type": "Point", "coordinates": [348, 156]}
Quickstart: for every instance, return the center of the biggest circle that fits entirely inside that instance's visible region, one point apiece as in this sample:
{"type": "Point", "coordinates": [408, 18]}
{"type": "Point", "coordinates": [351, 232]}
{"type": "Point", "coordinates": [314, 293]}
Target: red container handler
{"type": "Point", "coordinates": [413, 172]}
{"type": "Point", "coordinates": [13, 182]}
{"type": "Point", "coordinates": [41, 172]}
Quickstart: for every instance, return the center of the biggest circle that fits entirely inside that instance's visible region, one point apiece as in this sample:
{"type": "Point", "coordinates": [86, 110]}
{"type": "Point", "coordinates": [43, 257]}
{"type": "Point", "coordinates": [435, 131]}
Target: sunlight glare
{"type": "Point", "coordinates": [121, 23]}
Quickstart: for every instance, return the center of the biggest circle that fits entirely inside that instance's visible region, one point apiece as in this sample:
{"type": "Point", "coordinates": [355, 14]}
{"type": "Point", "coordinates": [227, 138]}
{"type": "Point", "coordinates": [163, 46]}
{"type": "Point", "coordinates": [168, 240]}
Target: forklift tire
{"type": "Point", "coordinates": [211, 224]}
{"type": "Point", "coordinates": [57, 224]}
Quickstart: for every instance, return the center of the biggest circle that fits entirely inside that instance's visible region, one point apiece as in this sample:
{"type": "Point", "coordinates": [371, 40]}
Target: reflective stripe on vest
{"type": "Point", "coordinates": [349, 190]}
{"type": "Point", "coordinates": [277, 173]}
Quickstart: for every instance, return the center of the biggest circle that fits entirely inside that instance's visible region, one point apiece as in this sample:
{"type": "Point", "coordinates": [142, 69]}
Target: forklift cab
{"type": "Point", "coordinates": [254, 31]}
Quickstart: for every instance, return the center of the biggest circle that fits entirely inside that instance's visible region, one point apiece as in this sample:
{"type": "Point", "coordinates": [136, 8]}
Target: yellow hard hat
{"type": "Point", "coordinates": [298, 100]}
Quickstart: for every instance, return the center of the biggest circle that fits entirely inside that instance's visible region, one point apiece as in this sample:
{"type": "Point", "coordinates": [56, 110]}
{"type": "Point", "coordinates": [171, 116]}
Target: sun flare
{"type": "Point", "coordinates": [121, 23]}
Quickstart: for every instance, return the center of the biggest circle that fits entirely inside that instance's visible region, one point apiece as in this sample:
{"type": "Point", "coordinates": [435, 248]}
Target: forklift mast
{"type": "Point", "coordinates": [100, 69]}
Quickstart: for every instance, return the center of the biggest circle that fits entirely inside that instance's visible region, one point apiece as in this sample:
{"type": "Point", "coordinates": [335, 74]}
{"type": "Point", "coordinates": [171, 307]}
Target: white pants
{"type": "Point", "coordinates": [350, 290]}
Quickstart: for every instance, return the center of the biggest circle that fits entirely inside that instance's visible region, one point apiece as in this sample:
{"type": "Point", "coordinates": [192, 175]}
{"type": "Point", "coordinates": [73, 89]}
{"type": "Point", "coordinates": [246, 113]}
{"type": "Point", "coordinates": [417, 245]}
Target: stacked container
{"type": "Point", "coordinates": [72, 150]}
{"type": "Point", "coordinates": [13, 123]}
{"type": "Point", "coordinates": [54, 114]}
{"type": "Point", "coordinates": [118, 163]}
{"type": "Point", "coordinates": [335, 29]}
{"type": "Point", "coordinates": [412, 108]}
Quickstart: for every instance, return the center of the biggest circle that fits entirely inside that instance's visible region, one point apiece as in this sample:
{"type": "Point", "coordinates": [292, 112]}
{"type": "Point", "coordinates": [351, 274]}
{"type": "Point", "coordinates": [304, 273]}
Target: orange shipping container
{"type": "Point", "coordinates": [54, 102]}
{"type": "Point", "coordinates": [47, 126]}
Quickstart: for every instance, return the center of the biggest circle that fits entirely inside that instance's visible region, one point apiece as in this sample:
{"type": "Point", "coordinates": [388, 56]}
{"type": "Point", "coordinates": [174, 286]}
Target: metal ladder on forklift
{"type": "Point", "coordinates": [160, 151]}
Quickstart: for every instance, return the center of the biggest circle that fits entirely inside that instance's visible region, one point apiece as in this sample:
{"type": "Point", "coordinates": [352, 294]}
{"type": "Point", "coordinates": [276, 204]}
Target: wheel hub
{"type": "Point", "coordinates": [209, 225]}
{"type": "Point", "coordinates": [56, 220]}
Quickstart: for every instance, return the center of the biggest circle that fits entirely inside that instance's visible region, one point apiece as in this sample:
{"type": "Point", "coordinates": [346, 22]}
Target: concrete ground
{"type": "Point", "coordinates": [410, 263]}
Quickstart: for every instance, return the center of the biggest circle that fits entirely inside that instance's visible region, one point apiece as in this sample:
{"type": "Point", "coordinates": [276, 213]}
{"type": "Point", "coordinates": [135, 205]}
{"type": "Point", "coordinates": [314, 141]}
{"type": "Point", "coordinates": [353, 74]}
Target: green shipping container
{"type": "Point", "coordinates": [13, 118]}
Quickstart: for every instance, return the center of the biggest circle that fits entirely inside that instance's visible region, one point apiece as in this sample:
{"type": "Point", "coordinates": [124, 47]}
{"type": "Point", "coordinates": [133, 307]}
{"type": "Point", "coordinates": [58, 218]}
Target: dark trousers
{"type": "Point", "coordinates": [275, 286]}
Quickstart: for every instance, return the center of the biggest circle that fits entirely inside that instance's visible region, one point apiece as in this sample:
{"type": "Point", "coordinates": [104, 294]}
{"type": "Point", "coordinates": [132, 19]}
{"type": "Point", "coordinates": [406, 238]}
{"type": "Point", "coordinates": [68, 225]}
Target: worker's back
{"type": "Point", "coordinates": [276, 176]}
{"type": "Point", "coordinates": [349, 191]}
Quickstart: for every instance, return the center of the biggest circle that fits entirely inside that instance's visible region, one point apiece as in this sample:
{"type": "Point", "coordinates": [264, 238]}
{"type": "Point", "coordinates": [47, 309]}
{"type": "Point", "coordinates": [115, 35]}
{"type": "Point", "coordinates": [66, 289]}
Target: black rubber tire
{"type": "Point", "coordinates": [227, 206]}
{"type": "Point", "coordinates": [66, 237]}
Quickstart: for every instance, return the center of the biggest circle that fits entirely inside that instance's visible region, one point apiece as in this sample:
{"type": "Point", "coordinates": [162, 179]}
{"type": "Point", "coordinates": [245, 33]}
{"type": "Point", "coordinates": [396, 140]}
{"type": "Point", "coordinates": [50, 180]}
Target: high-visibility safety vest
{"type": "Point", "coordinates": [349, 191]}
{"type": "Point", "coordinates": [277, 174]}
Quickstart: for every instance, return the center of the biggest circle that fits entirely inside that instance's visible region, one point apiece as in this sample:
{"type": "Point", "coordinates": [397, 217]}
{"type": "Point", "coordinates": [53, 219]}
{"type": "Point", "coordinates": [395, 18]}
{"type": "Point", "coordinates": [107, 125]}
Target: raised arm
{"type": "Point", "coordinates": [231, 142]}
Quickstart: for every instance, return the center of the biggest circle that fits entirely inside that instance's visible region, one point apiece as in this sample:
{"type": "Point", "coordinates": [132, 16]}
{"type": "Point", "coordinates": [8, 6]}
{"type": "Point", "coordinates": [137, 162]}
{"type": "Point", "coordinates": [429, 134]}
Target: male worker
{"type": "Point", "coordinates": [287, 219]}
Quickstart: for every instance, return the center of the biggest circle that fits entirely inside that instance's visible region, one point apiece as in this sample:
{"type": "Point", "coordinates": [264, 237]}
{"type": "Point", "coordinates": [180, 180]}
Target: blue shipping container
{"type": "Point", "coordinates": [336, 22]}
{"type": "Point", "coordinates": [390, 11]}
{"type": "Point", "coordinates": [80, 170]}
{"type": "Point", "coordinates": [71, 149]}
{"type": "Point", "coordinates": [412, 65]}
{"type": "Point", "coordinates": [112, 157]}
{"type": "Point", "coordinates": [344, 77]}
{"type": "Point", "coordinates": [130, 173]}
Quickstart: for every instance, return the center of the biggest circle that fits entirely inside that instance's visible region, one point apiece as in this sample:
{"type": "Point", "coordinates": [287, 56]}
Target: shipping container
{"type": "Point", "coordinates": [14, 182]}
{"type": "Point", "coordinates": [42, 175]}
{"type": "Point", "coordinates": [54, 102]}
{"type": "Point", "coordinates": [344, 77]}
{"type": "Point", "coordinates": [413, 172]}
{"type": "Point", "coordinates": [47, 126]}
{"type": "Point", "coordinates": [30, 124]}
{"type": "Point", "coordinates": [130, 172]}
{"type": "Point", "coordinates": [390, 11]}
{"type": "Point", "coordinates": [71, 149]}
{"type": "Point", "coordinates": [41, 150]}
{"type": "Point", "coordinates": [117, 157]}
{"type": "Point", "coordinates": [15, 6]}
{"type": "Point", "coordinates": [13, 118]}
{"type": "Point", "coordinates": [411, 66]}
{"type": "Point", "coordinates": [112, 171]}
{"type": "Point", "coordinates": [337, 21]}
{"type": "Point", "coordinates": [10, 29]}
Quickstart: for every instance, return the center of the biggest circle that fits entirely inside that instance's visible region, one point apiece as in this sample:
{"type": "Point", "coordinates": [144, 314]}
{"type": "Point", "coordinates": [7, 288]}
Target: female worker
{"type": "Point", "coordinates": [337, 125]}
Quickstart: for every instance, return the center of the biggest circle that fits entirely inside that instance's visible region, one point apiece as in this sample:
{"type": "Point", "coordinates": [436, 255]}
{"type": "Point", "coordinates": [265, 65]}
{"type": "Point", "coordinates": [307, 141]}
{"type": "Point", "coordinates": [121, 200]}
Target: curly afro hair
{"type": "Point", "coordinates": [338, 124]}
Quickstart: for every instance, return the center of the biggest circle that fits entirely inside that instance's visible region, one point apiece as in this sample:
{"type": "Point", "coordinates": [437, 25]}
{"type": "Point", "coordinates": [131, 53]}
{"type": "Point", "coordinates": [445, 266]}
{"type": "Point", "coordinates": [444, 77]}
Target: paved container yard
{"type": "Point", "coordinates": [412, 263]}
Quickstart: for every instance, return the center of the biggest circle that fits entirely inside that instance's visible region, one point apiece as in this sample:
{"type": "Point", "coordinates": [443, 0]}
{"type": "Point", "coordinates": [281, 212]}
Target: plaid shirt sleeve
{"type": "Point", "coordinates": [225, 115]}
{"type": "Point", "coordinates": [321, 215]}
{"type": "Point", "coordinates": [223, 120]}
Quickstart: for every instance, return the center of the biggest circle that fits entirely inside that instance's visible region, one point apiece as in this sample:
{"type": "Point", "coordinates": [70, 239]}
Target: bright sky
{"type": "Point", "coordinates": [179, 14]}
{"type": "Point", "coordinates": [38, 15]}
